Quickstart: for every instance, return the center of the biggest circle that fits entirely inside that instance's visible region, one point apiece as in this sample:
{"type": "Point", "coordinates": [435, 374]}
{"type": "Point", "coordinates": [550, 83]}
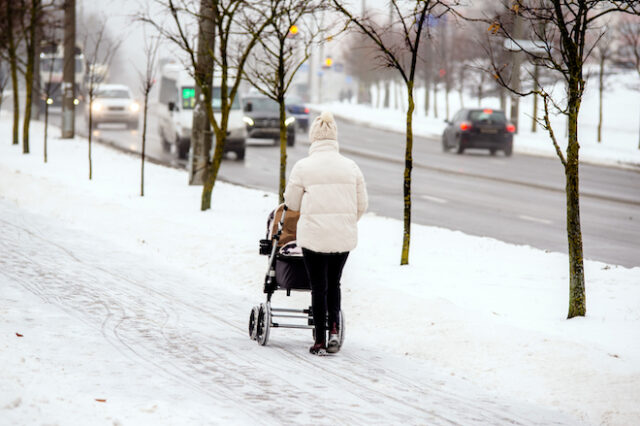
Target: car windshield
{"type": "Point", "coordinates": [189, 99]}
{"type": "Point", "coordinates": [113, 94]}
{"type": "Point", "coordinates": [55, 65]}
{"type": "Point", "coordinates": [487, 115]}
{"type": "Point", "coordinates": [263, 104]}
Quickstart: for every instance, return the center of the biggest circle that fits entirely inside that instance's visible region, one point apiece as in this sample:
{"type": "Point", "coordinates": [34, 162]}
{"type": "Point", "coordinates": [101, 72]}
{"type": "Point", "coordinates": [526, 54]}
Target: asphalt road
{"type": "Point", "coordinates": [518, 199]}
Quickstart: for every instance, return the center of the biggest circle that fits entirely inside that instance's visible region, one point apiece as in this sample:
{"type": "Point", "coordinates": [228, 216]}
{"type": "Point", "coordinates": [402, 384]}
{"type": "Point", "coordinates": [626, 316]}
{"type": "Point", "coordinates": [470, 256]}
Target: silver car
{"type": "Point", "coordinates": [113, 103]}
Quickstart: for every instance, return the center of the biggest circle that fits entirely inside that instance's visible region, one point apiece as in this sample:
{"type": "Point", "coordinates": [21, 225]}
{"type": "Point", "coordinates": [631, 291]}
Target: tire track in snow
{"type": "Point", "coordinates": [189, 356]}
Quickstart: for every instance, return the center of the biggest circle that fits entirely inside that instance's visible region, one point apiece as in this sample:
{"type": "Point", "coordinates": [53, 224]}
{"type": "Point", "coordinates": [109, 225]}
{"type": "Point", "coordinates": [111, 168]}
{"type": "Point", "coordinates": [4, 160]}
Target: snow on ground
{"type": "Point", "coordinates": [143, 302]}
{"type": "Point", "coordinates": [620, 135]}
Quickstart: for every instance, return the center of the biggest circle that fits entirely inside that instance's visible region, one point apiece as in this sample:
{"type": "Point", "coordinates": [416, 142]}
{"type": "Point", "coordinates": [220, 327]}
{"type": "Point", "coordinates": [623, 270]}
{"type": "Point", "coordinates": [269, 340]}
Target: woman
{"type": "Point", "coordinates": [330, 193]}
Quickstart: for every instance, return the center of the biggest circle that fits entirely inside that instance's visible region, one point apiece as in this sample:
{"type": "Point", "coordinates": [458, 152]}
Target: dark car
{"type": "Point", "coordinates": [296, 108]}
{"type": "Point", "coordinates": [479, 128]}
{"type": "Point", "coordinates": [262, 117]}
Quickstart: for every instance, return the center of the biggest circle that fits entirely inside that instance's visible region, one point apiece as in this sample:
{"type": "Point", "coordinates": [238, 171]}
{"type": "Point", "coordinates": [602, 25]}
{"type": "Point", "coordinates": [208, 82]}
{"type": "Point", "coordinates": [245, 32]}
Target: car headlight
{"type": "Point", "coordinates": [96, 107]}
{"type": "Point", "coordinates": [134, 107]}
{"type": "Point", "coordinates": [289, 121]}
{"type": "Point", "coordinates": [248, 120]}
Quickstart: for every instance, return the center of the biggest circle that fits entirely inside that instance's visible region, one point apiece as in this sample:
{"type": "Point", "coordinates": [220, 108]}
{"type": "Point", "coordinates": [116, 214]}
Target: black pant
{"type": "Point", "coordinates": [324, 271]}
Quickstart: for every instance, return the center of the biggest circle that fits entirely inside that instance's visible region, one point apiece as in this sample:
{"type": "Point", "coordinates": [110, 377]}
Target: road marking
{"type": "Point", "coordinates": [535, 219]}
{"type": "Point", "coordinates": [434, 199]}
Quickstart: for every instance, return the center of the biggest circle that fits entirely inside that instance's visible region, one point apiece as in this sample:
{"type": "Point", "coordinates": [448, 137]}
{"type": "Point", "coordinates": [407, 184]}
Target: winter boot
{"type": "Point", "coordinates": [318, 349]}
{"type": "Point", "coordinates": [334, 340]}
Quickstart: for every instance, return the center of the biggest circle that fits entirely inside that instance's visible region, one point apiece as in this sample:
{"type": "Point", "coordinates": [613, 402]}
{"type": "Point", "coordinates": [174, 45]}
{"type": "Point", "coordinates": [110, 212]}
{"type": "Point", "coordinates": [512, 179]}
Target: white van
{"type": "Point", "coordinates": [175, 113]}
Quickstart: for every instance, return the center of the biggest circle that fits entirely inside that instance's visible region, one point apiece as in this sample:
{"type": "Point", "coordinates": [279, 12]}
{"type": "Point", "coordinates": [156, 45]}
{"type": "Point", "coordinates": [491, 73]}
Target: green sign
{"type": "Point", "coordinates": [188, 93]}
{"type": "Point", "coordinates": [188, 97]}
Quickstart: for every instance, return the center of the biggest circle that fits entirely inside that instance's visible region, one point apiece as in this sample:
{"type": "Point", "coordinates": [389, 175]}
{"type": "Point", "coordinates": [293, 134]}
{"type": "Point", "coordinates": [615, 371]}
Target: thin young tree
{"type": "Point", "coordinates": [410, 19]}
{"type": "Point", "coordinates": [147, 81]}
{"type": "Point", "coordinates": [560, 34]}
{"type": "Point", "coordinates": [4, 79]}
{"type": "Point", "coordinates": [281, 51]}
{"type": "Point", "coordinates": [100, 49]}
{"type": "Point", "coordinates": [603, 53]}
{"type": "Point", "coordinates": [238, 27]}
{"type": "Point", "coordinates": [11, 15]}
{"type": "Point", "coordinates": [33, 11]}
{"type": "Point", "coordinates": [47, 94]}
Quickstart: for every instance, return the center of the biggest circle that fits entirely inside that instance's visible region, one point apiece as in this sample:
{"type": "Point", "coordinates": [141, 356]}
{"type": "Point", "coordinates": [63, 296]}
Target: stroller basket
{"type": "Point", "coordinates": [265, 247]}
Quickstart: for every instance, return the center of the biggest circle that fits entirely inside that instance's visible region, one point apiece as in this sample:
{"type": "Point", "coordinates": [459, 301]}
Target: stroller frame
{"type": "Point", "coordinates": [261, 318]}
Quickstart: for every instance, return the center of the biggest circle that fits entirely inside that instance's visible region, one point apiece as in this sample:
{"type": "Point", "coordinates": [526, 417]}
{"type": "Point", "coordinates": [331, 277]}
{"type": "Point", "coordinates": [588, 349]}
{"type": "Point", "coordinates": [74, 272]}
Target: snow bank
{"type": "Point", "coordinates": [490, 313]}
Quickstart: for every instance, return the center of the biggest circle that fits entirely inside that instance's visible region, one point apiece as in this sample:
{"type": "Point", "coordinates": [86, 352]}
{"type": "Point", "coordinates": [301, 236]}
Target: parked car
{"type": "Point", "coordinates": [297, 109]}
{"type": "Point", "coordinates": [113, 103]}
{"type": "Point", "coordinates": [479, 128]}
{"type": "Point", "coordinates": [176, 102]}
{"type": "Point", "coordinates": [262, 116]}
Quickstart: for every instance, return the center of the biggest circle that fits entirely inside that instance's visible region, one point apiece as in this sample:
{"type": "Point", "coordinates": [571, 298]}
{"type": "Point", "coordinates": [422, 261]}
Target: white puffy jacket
{"type": "Point", "coordinates": [330, 193]}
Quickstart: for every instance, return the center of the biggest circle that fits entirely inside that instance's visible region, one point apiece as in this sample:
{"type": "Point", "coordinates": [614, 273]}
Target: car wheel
{"type": "Point", "coordinates": [460, 148]}
{"type": "Point", "coordinates": [492, 151]}
{"type": "Point", "coordinates": [183, 149]}
{"type": "Point", "coordinates": [445, 146]}
{"type": "Point", "coordinates": [240, 154]}
{"type": "Point", "coordinates": [166, 146]}
{"type": "Point", "coordinates": [508, 149]}
{"type": "Point", "coordinates": [291, 140]}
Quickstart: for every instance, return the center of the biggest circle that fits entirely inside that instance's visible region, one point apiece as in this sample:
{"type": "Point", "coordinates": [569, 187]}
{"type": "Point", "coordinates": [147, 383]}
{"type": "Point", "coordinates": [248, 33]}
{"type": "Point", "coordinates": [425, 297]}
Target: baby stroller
{"type": "Point", "coordinates": [286, 272]}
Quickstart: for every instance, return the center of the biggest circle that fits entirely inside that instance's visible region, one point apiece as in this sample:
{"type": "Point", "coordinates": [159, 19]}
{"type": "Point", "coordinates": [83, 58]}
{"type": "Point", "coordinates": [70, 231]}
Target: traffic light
{"type": "Point", "coordinates": [327, 62]}
{"type": "Point", "coordinates": [293, 31]}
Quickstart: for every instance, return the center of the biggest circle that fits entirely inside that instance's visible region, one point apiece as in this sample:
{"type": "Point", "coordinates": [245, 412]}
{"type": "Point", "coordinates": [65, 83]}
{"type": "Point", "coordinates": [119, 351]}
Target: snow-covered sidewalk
{"type": "Point", "coordinates": [143, 302]}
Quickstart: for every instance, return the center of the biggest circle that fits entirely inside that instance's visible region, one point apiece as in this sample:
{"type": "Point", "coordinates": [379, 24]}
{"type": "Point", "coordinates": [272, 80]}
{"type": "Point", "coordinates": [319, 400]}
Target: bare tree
{"type": "Point", "coordinates": [99, 52]}
{"type": "Point", "coordinates": [560, 42]}
{"type": "Point", "coordinates": [47, 93]}
{"type": "Point", "coordinates": [603, 53]}
{"type": "Point", "coordinates": [238, 26]}
{"type": "Point", "coordinates": [411, 22]}
{"type": "Point", "coordinates": [281, 51]}
{"type": "Point", "coordinates": [33, 10]}
{"type": "Point", "coordinates": [361, 64]}
{"type": "Point", "coordinates": [147, 81]}
{"type": "Point", "coordinates": [11, 15]}
{"type": "Point", "coordinates": [4, 79]}
{"type": "Point", "coordinates": [629, 31]}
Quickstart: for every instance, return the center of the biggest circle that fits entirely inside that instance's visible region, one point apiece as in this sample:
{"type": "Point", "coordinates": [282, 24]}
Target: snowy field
{"type": "Point", "coordinates": [620, 133]}
{"type": "Point", "coordinates": [119, 309]}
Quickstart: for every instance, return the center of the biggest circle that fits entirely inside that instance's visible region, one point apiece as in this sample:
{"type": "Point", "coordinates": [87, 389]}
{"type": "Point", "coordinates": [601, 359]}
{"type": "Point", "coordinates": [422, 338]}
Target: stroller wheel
{"type": "Point", "coordinates": [263, 323]}
{"type": "Point", "coordinates": [253, 323]}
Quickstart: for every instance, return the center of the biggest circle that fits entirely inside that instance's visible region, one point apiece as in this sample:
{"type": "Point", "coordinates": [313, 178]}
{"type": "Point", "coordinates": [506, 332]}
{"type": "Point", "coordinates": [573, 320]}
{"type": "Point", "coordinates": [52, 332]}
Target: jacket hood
{"type": "Point", "coordinates": [324, 145]}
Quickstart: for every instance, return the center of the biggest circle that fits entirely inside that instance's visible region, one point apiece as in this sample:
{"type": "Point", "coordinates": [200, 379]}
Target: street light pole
{"type": "Point", "coordinates": [68, 76]}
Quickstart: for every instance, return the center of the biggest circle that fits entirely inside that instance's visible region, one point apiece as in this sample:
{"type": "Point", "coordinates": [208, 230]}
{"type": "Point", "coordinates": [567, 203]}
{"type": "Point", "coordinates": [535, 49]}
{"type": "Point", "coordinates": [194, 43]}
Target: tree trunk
{"type": "Point", "coordinates": [600, 90]}
{"type": "Point", "coordinates": [201, 134]}
{"type": "Point", "coordinates": [16, 100]}
{"type": "Point", "coordinates": [534, 119]}
{"type": "Point", "coordinates": [408, 166]}
{"type": "Point", "coordinates": [212, 169]}
{"type": "Point", "coordinates": [144, 142]}
{"type": "Point", "coordinates": [480, 94]}
{"type": "Point", "coordinates": [283, 152]}
{"type": "Point", "coordinates": [387, 94]}
{"type": "Point", "coordinates": [46, 127]}
{"type": "Point", "coordinates": [577, 299]}
{"type": "Point", "coordinates": [90, 133]}
{"type": "Point", "coordinates": [427, 92]}
{"type": "Point", "coordinates": [446, 101]}
{"type": "Point", "coordinates": [28, 78]}
{"type": "Point", "coordinates": [435, 100]}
